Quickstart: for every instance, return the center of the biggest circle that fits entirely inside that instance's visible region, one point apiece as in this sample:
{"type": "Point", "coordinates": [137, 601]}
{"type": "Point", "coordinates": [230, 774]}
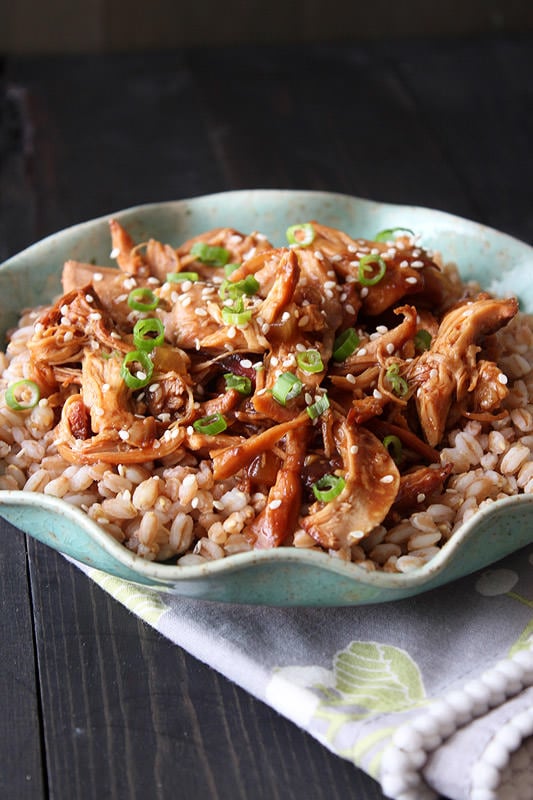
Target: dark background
{"type": "Point", "coordinates": [105, 105]}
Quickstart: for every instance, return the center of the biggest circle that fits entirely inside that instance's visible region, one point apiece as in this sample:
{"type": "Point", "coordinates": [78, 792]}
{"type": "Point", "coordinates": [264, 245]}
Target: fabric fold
{"type": "Point", "coordinates": [428, 695]}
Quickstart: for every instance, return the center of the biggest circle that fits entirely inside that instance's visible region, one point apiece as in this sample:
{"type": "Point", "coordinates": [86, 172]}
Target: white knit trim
{"type": "Point", "coordinates": [401, 769]}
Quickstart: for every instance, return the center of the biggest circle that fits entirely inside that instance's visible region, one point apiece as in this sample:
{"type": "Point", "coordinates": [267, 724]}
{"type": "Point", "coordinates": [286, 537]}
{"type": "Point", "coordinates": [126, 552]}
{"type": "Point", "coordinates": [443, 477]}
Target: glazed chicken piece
{"type": "Point", "coordinates": [448, 370]}
{"type": "Point", "coordinates": [372, 481]}
{"type": "Point", "coordinates": [98, 424]}
{"type": "Point", "coordinates": [278, 519]}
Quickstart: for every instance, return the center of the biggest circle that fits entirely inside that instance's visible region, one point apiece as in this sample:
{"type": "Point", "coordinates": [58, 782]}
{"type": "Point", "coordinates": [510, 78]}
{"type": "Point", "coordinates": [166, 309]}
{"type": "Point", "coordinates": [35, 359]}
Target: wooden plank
{"type": "Point", "coordinates": [21, 769]}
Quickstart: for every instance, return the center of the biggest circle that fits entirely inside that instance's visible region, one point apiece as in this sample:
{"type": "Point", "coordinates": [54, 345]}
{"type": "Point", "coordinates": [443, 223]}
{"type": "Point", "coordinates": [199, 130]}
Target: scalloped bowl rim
{"type": "Point", "coordinates": [174, 574]}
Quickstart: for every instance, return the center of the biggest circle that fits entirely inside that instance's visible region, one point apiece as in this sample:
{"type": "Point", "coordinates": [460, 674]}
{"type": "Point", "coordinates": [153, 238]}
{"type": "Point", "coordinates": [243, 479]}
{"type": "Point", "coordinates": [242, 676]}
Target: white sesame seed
{"type": "Point", "coordinates": [349, 308]}
{"type": "Point", "coordinates": [417, 264]}
{"type": "Point", "coordinates": [352, 248]}
{"type": "Point", "coordinates": [190, 430]}
{"type": "Point", "coordinates": [364, 291]}
{"type": "Point", "coordinates": [246, 363]}
{"type": "Point", "coordinates": [382, 329]}
{"type": "Point", "coordinates": [301, 348]}
{"type": "Point", "coordinates": [336, 257]}
{"type": "Point", "coordinates": [390, 348]}
{"type": "Point", "coordinates": [232, 332]}
{"type": "Point", "coordinates": [129, 283]}
{"type": "Point", "coordinates": [285, 317]}
{"type": "Point", "coordinates": [105, 387]}
{"type": "Point", "coordinates": [64, 310]}
{"type": "Point", "coordinates": [274, 504]}
{"type": "Point", "coordinates": [330, 284]}
{"type": "Point", "coordinates": [350, 378]}
{"type": "Point", "coordinates": [387, 479]}
{"type": "Point", "coordinates": [115, 252]}
{"type": "Point", "coordinates": [433, 374]}
{"type": "Point", "coordinates": [361, 351]}
{"type": "Point", "coordinates": [355, 536]}
{"type": "Point", "coordinates": [317, 254]}
{"type": "Point", "coordinates": [420, 497]}
{"type": "Point", "coordinates": [153, 388]}
{"type": "Point", "coordinates": [99, 411]}
{"type": "Point", "coordinates": [69, 335]}
{"type": "Point", "coordinates": [404, 264]}
{"type": "Point", "coordinates": [265, 327]}
{"type": "Point", "coordinates": [308, 398]}
{"type": "Point", "coordinates": [354, 449]}
{"type": "Point", "coordinates": [411, 279]}
{"type": "Point", "coordinates": [274, 361]}
{"type": "Point", "coordinates": [95, 316]}
{"type": "Point", "coordinates": [329, 294]}
{"type": "Point", "coordinates": [98, 277]}
{"type": "Point", "coordinates": [114, 335]}
{"type": "Point", "coordinates": [186, 301]}
{"type": "Point", "coordinates": [502, 378]}
{"type": "Point", "coordinates": [377, 394]}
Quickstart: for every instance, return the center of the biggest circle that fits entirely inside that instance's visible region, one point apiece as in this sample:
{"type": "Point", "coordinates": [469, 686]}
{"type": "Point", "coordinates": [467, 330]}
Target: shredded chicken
{"type": "Point", "coordinates": [323, 375]}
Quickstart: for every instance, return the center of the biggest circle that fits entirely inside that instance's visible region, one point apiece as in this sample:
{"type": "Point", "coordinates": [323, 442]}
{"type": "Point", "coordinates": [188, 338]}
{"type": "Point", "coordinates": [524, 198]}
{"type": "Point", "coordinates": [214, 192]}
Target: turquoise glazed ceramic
{"type": "Point", "coordinates": [283, 576]}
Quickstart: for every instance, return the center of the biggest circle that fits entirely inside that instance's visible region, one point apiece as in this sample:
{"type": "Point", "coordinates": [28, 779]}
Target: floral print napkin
{"type": "Point", "coordinates": [429, 695]}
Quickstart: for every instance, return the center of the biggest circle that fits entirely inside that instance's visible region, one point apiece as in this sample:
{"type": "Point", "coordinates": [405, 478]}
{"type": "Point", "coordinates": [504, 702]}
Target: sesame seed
{"type": "Point", "coordinates": [99, 411]}
{"type": "Point", "coordinates": [194, 502]}
{"type": "Point", "coordinates": [390, 348]}
{"type": "Point", "coordinates": [317, 254]}
{"type": "Point", "coordinates": [285, 317]}
{"type": "Point", "coordinates": [355, 536]}
{"type": "Point", "coordinates": [265, 327]}
{"type": "Point", "coordinates": [329, 294]}
{"type": "Point", "coordinates": [246, 363]}
{"type": "Point", "coordinates": [114, 335]}
{"type": "Point", "coordinates": [433, 373]}
{"type": "Point", "coordinates": [382, 329]}
{"type": "Point", "coordinates": [98, 277]}
{"type": "Point", "coordinates": [64, 310]}
{"type": "Point", "coordinates": [503, 379]}
{"type": "Point", "coordinates": [404, 264]}
{"type": "Point", "coordinates": [95, 316]}
{"type": "Point", "coordinates": [153, 388]}
{"type": "Point", "coordinates": [336, 257]}
{"type": "Point", "coordinates": [105, 387]}
{"type": "Point", "coordinates": [115, 252]}
{"type": "Point", "coordinates": [129, 283]}
{"type": "Point", "coordinates": [190, 430]}
{"type": "Point", "coordinates": [361, 351]}
{"type": "Point", "coordinates": [354, 449]}
{"type": "Point", "coordinates": [350, 309]}
{"type": "Point", "coordinates": [352, 248]}
{"type": "Point", "coordinates": [377, 394]}
{"type": "Point", "coordinates": [411, 279]}
{"type": "Point", "coordinates": [186, 301]}
{"type": "Point", "coordinates": [200, 312]}
{"type": "Point", "coordinates": [387, 479]}
{"type": "Point", "coordinates": [232, 332]}
{"type": "Point", "coordinates": [69, 335]}
{"type": "Point", "coordinates": [308, 398]}
{"type": "Point", "coordinates": [301, 348]}
{"type": "Point", "coordinates": [350, 378]}
{"type": "Point", "coordinates": [417, 264]}
{"type": "Point", "coordinates": [330, 284]}
{"type": "Point", "coordinates": [364, 291]}
{"type": "Point", "coordinates": [420, 497]}
{"type": "Point", "coordinates": [274, 504]}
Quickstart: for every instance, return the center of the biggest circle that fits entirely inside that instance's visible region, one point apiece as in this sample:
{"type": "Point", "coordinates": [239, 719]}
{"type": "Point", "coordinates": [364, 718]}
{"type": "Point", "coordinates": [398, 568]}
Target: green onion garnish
{"type": "Point", "coordinates": [239, 382]}
{"type": "Point", "coordinates": [208, 254]}
{"type": "Point", "coordinates": [287, 387]}
{"type": "Point", "coordinates": [398, 384]}
{"type": "Point", "coordinates": [229, 269]}
{"type": "Point", "coordinates": [394, 446]}
{"type": "Point", "coordinates": [212, 424]}
{"type": "Point", "coordinates": [142, 299]}
{"type": "Point", "coordinates": [373, 264]}
{"type": "Point", "coordinates": [422, 340]}
{"type": "Point", "coordinates": [236, 316]}
{"type": "Point", "coordinates": [248, 286]}
{"type": "Point", "coordinates": [320, 405]}
{"type": "Point", "coordinates": [302, 235]}
{"type": "Point", "coordinates": [345, 344]}
{"type": "Point", "coordinates": [328, 488]}
{"type": "Point", "coordinates": [22, 395]}
{"type": "Point", "coordinates": [148, 333]}
{"type": "Point", "coordinates": [310, 361]}
{"type": "Point", "coordinates": [389, 233]}
{"type": "Point", "coordinates": [141, 376]}
{"type": "Point", "coordinates": [180, 277]}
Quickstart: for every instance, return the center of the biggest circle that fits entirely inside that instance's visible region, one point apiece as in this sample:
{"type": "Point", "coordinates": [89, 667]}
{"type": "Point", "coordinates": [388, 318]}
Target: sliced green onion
{"type": "Point", "coordinates": [142, 376]}
{"type": "Point", "coordinates": [212, 424]}
{"type": "Point", "coordinates": [180, 277]}
{"type": "Point", "coordinates": [287, 387]}
{"type": "Point", "coordinates": [248, 286]}
{"type": "Point", "coordinates": [399, 385]}
{"type": "Point", "coordinates": [328, 488]}
{"type": "Point", "coordinates": [345, 344]}
{"type": "Point", "coordinates": [422, 340]}
{"type": "Point", "coordinates": [389, 233]}
{"type": "Point", "coordinates": [310, 361]}
{"type": "Point", "coordinates": [320, 405]}
{"type": "Point", "coordinates": [302, 235]}
{"type": "Point", "coordinates": [394, 446]}
{"type": "Point", "coordinates": [374, 264]}
{"type": "Point", "coordinates": [229, 269]}
{"type": "Point", "coordinates": [236, 316]}
{"type": "Point", "coordinates": [239, 382]}
{"type": "Point", "coordinates": [148, 333]}
{"type": "Point", "coordinates": [208, 254]}
{"type": "Point", "coordinates": [22, 395]}
{"type": "Point", "coordinates": [142, 299]}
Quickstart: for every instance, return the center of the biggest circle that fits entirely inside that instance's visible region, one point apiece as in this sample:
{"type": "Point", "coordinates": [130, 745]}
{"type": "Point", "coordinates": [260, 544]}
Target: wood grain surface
{"type": "Point", "coordinates": [95, 704]}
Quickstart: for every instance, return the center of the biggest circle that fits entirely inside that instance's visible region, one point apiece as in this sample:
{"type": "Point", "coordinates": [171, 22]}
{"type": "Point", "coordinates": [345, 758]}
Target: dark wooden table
{"type": "Point", "coordinates": [94, 703]}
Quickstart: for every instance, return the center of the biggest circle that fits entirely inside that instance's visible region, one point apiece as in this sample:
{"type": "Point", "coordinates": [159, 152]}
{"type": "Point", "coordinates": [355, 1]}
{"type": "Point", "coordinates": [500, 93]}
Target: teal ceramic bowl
{"type": "Point", "coordinates": [284, 576]}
